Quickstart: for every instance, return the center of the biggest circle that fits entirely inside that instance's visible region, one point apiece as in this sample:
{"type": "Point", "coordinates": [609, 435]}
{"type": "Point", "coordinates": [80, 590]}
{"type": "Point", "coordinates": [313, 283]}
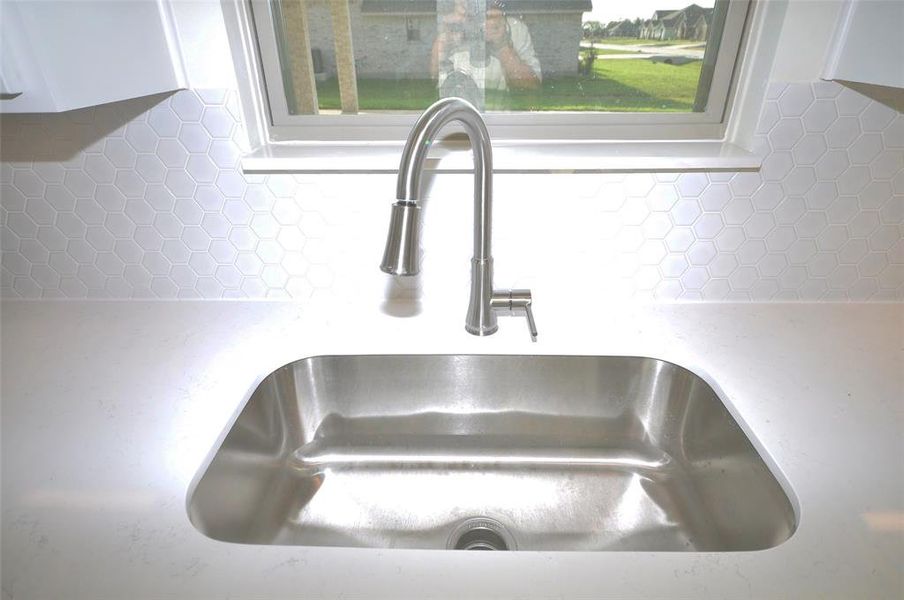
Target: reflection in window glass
{"type": "Point", "coordinates": [511, 55]}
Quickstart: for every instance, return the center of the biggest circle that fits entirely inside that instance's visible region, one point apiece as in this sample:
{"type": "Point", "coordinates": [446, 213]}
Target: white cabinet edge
{"type": "Point", "coordinates": [81, 53]}
{"type": "Point", "coordinates": [854, 54]}
{"type": "Point", "coordinates": [170, 31]}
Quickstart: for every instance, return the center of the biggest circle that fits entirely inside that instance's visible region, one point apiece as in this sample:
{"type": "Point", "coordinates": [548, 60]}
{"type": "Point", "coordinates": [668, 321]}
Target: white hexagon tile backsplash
{"type": "Point", "coordinates": [144, 199]}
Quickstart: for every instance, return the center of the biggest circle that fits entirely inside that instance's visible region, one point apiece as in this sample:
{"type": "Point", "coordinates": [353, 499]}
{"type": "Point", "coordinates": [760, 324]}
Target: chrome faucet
{"type": "Point", "coordinates": [401, 255]}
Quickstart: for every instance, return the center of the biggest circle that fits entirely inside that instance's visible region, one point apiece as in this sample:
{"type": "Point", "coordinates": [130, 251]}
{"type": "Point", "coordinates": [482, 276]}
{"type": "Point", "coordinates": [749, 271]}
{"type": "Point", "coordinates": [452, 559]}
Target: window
{"type": "Point", "coordinates": [412, 31]}
{"type": "Point", "coordinates": [538, 69]}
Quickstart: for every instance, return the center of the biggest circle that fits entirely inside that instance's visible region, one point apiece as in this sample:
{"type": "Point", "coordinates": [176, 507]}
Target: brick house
{"type": "Point", "coordinates": [393, 39]}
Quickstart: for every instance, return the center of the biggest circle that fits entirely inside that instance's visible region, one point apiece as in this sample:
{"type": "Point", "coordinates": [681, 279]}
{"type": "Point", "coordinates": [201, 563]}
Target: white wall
{"type": "Point", "coordinates": [145, 199]}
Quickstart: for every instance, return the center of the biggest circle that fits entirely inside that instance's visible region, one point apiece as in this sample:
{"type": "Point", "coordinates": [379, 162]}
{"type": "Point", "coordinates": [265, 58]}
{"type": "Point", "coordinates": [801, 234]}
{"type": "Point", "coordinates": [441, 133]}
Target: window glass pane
{"type": "Point", "coordinates": [384, 56]}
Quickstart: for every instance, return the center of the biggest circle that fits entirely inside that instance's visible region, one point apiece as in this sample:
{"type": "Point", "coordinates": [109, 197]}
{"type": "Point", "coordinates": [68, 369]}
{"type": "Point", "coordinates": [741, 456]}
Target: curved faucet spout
{"type": "Point", "coordinates": [420, 139]}
{"type": "Point", "coordinates": [400, 256]}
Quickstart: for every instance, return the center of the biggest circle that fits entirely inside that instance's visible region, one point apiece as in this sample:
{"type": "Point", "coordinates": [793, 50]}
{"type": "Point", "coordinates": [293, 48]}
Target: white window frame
{"type": "Point", "coordinates": [709, 124]}
{"type": "Point", "coordinates": [720, 138]}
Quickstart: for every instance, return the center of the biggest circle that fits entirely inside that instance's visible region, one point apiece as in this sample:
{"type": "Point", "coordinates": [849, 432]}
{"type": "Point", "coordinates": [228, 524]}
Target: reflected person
{"type": "Point", "coordinates": [498, 56]}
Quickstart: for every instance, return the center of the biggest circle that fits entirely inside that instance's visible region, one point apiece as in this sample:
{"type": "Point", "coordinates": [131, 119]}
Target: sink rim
{"type": "Point", "coordinates": [772, 465]}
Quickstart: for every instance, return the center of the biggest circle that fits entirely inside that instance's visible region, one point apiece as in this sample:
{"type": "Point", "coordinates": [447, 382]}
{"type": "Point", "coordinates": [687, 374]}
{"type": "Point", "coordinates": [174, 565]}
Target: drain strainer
{"type": "Point", "coordinates": [480, 533]}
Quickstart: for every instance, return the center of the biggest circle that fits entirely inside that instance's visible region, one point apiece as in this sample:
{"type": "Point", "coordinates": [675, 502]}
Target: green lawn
{"type": "Point", "coordinates": [616, 85]}
{"type": "Point", "coordinates": [601, 51]}
{"type": "Point", "coordinates": [642, 85]}
{"type": "Point", "coordinates": [381, 94]}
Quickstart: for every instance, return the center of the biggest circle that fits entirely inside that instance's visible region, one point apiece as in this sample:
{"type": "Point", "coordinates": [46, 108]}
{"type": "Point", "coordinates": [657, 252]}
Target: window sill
{"type": "Point", "coordinates": [508, 157]}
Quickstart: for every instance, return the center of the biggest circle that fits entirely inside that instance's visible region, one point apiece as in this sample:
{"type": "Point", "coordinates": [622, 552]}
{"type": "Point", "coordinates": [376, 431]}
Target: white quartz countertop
{"type": "Point", "coordinates": [109, 410]}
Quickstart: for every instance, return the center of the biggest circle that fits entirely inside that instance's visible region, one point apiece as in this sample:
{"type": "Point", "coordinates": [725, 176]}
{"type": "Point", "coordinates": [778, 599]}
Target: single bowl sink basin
{"type": "Point", "coordinates": [490, 453]}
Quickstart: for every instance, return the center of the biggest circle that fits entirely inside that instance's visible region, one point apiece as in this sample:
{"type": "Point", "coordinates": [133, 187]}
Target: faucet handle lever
{"type": "Point", "coordinates": [516, 300]}
{"type": "Point", "coordinates": [531, 324]}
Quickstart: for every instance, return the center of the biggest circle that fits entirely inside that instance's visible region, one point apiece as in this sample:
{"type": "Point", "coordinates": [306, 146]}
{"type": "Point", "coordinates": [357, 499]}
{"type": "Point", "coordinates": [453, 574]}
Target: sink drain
{"type": "Point", "coordinates": [480, 533]}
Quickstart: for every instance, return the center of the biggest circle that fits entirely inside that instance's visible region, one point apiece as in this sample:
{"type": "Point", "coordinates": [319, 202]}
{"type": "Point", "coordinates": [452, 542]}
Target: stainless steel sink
{"type": "Point", "coordinates": [490, 452]}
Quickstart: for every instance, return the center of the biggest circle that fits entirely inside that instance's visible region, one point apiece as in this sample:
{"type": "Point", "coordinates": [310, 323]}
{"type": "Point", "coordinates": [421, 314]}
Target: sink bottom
{"type": "Point", "coordinates": [581, 509]}
{"type": "Point", "coordinates": [411, 490]}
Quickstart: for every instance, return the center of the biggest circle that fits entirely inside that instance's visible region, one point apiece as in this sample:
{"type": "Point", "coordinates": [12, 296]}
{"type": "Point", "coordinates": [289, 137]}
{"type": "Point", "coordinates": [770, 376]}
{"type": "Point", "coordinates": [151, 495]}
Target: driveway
{"type": "Point", "coordinates": [692, 51]}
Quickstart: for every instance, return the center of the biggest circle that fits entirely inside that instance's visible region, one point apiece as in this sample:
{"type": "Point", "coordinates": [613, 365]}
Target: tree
{"type": "Point", "coordinates": [592, 30]}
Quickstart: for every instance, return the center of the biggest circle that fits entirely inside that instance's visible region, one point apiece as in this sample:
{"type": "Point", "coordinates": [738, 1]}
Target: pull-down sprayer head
{"type": "Point", "coordinates": [402, 253]}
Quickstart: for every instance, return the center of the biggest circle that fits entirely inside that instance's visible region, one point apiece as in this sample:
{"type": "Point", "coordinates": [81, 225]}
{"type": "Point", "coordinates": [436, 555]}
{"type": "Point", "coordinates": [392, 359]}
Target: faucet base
{"type": "Point", "coordinates": [481, 332]}
{"type": "Point", "coordinates": [481, 319]}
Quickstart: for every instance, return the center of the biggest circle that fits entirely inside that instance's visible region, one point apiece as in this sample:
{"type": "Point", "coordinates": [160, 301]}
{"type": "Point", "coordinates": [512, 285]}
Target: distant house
{"type": "Point", "coordinates": [624, 28]}
{"type": "Point", "coordinates": [690, 23]}
{"type": "Point", "coordinates": [393, 39]}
